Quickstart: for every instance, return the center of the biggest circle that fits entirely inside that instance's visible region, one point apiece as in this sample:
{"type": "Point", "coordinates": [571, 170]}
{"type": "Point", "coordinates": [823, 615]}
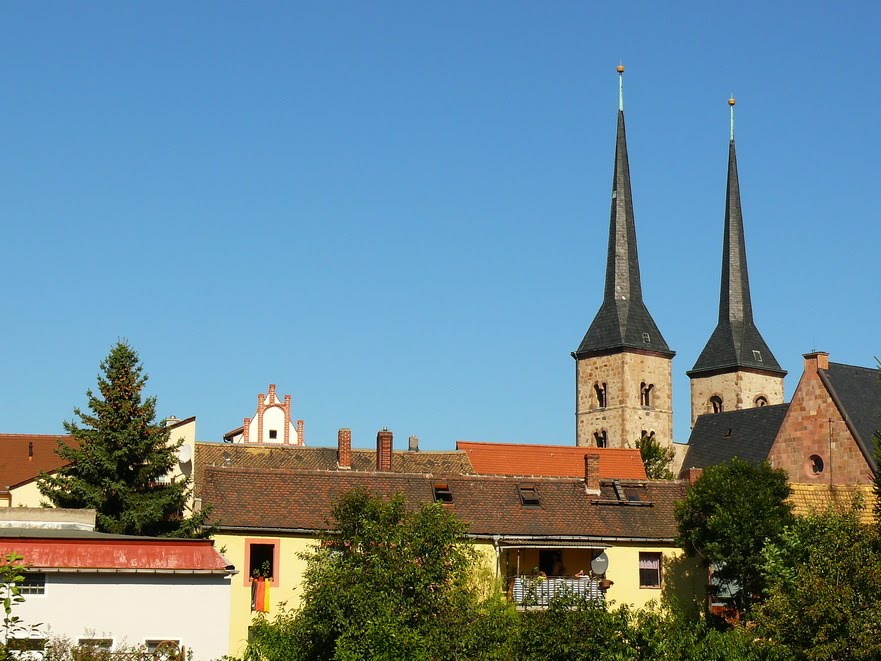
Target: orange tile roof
{"type": "Point", "coordinates": [551, 460]}
{"type": "Point", "coordinates": [810, 499]}
{"type": "Point", "coordinates": [16, 468]}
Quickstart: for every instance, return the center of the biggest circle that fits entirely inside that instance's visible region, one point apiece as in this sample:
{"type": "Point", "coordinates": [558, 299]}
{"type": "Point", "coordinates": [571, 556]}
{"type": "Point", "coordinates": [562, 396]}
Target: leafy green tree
{"type": "Point", "coordinates": [121, 458]}
{"type": "Point", "coordinates": [824, 588]}
{"type": "Point", "coordinates": [656, 458]}
{"type": "Point", "coordinates": [388, 583]}
{"type": "Point", "coordinates": [728, 516]}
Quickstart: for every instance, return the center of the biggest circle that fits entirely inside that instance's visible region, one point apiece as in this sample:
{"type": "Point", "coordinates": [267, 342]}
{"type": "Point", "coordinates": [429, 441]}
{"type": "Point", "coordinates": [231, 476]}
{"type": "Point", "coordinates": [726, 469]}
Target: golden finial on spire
{"type": "Point", "coordinates": [620, 70]}
{"type": "Point", "coordinates": [731, 103]}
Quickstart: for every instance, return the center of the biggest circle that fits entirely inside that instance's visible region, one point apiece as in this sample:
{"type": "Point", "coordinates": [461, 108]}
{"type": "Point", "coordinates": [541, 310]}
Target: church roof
{"type": "Point", "coordinates": [736, 342]}
{"type": "Point", "coordinates": [746, 433]}
{"type": "Point", "coordinates": [623, 321]}
{"type": "Point", "coordinates": [857, 393]}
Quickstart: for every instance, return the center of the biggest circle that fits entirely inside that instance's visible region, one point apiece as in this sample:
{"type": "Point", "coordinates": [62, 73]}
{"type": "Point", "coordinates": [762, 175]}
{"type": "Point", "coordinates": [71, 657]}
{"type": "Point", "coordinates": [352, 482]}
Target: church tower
{"type": "Point", "coordinates": [623, 366]}
{"type": "Point", "coordinates": [736, 370]}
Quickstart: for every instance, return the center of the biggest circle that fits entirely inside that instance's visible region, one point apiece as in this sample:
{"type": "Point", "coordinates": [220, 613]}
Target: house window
{"type": "Point", "coordinates": [761, 400]}
{"type": "Point", "coordinates": [528, 496]}
{"type": "Point", "coordinates": [37, 645]}
{"type": "Point", "coordinates": [442, 493]}
{"type": "Point", "coordinates": [600, 438]}
{"type": "Point", "coordinates": [645, 393]}
{"type": "Point", "coordinates": [163, 649]}
{"type": "Point", "coordinates": [649, 570]}
{"type": "Point", "coordinates": [716, 404]}
{"type": "Point", "coordinates": [96, 643]}
{"type": "Point", "coordinates": [273, 434]}
{"type": "Point", "coordinates": [261, 559]}
{"type": "Point", "coordinates": [600, 392]}
{"type": "Point", "coordinates": [33, 583]}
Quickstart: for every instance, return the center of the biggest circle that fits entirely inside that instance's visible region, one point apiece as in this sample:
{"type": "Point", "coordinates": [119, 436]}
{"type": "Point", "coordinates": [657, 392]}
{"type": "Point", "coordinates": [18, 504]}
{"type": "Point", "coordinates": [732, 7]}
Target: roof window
{"type": "Point", "coordinates": [757, 355]}
{"type": "Point", "coordinates": [528, 496]}
{"type": "Point", "coordinates": [646, 339]}
{"type": "Point", "coordinates": [442, 493]}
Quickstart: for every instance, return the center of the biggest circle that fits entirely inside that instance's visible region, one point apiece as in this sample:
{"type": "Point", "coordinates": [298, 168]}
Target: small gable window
{"type": "Point", "coordinates": [273, 434]}
{"type": "Point", "coordinates": [716, 404]}
{"type": "Point", "coordinates": [442, 493]}
{"type": "Point", "coordinates": [761, 400]}
{"type": "Point", "coordinates": [528, 496]}
{"type": "Point", "coordinates": [600, 392]}
{"type": "Point", "coordinates": [645, 393]}
{"type": "Point", "coordinates": [600, 438]}
{"type": "Point", "coordinates": [646, 339]}
{"type": "Point", "coordinates": [815, 464]}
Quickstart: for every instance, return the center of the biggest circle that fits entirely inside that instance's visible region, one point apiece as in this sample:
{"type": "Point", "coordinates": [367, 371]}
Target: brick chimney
{"type": "Point", "coordinates": [246, 429]}
{"type": "Point", "coordinates": [344, 449]}
{"type": "Point", "coordinates": [301, 440]}
{"type": "Point", "coordinates": [592, 474]}
{"type": "Point", "coordinates": [816, 360]}
{"type": "Point", "coordinates": [414, 444]}
{"type": "Point", "coordinates": [384, 450]}
{"type": "Point", "coordinates": [692, 475]}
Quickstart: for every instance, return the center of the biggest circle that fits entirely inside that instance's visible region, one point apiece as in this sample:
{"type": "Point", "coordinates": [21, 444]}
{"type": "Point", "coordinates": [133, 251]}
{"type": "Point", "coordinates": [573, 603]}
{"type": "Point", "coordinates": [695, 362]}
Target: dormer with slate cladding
{"type": "Point", "coordinates": [624, 368]}
{"type": "Point", "coordinates": [736, 370]}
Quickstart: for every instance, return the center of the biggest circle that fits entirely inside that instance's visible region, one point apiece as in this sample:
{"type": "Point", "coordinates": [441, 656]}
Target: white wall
{"type": "Point", "coordinates": [133, 608]}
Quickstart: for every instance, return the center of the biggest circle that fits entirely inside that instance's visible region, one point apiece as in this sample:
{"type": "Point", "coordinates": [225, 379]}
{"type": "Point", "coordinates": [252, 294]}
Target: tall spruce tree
{"type": "Point", "coordinates": [120, 458]}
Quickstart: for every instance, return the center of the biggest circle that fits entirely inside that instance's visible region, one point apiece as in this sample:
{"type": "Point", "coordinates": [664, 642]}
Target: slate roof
{"type": "Point", "coordinates": [623, 321]}
{"type": "Point", "coordinates": [15, 466]}
{"type": "Point", "coordinates": [551, 460]}
{"type": "Point", "coordinates": [276, 456]}
{"type": "Point", "coordinates": [254, 499]}
{"type": "Point", "coordinates": [747, 434]}
{"type": "Point", "coordinates": [735, 338]}
{"type": "Point", "coordinates": [857, 392]}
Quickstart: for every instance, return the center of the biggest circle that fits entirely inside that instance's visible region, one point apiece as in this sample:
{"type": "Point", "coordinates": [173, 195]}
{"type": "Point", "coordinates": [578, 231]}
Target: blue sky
{"type": "Point", "coordinates": [398, 211]}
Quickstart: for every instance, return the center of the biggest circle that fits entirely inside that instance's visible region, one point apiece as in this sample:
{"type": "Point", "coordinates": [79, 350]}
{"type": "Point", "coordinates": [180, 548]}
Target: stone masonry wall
{"type": "Point", "coordinates": [738, 390]}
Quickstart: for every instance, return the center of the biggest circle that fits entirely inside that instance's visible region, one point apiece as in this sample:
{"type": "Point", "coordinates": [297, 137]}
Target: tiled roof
{"type": "Point", "coordinates": [551, 460]}
{"type": "Point", "coordinates": [809, 499]}
{"type": "Point", "coordinates": [858, 391]}
{"type": "Point", "coordinates": [252, 455]}
{"type": "Point", "coordinates": [245, 498]}
{"type": "Point", "coordinates": [748, 434]}
{"type": "Point", "coordinates": [15, 466]}
{"type": "Point", "coordinates": [78, 550]}
{"type": "Point", "coordinates": [623, 321]}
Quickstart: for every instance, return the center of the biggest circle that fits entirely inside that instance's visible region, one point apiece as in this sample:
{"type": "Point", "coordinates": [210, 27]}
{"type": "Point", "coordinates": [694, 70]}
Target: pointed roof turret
{"type": "Point", "coordinates": [623, 321]}
{"type": "Point", "coordinates": [736, 342]}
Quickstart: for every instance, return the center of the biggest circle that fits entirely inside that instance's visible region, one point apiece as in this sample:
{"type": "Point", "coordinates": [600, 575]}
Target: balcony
{"type": "Point", "coordinates": [537, 591]}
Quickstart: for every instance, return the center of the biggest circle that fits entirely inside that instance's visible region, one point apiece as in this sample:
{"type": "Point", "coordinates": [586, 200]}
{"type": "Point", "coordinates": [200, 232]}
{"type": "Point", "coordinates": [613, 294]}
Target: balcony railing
{"type": "Point", "coordinates": [528, 591]}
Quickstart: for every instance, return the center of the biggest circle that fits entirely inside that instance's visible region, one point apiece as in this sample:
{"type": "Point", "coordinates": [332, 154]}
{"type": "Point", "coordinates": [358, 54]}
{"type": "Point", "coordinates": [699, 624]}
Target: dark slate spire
{"type": "Point", "coordinates": [736, 342]}
{"type": "Point", "coordinates": [623, 321]}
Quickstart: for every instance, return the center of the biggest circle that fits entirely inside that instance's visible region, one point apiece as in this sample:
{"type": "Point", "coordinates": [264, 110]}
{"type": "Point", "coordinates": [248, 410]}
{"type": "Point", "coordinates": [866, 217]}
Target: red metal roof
{"type": "Point", "coordinates": [121, 554]}
{"type": "Point", "coordinates": [17, 466]}
{"type": "Point", "coordinates": [551, 460]}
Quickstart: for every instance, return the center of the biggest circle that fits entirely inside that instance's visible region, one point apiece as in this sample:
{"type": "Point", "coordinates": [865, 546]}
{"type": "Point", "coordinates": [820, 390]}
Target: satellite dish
{"type": "Point", "coordinates": [600, 564]}
{"type": "Point", "coordinates": [185, 454]}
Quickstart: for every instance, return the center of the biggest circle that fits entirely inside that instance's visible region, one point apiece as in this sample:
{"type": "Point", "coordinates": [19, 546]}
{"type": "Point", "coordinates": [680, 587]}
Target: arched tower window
{"type": "Point", "coordinates": [601, 438]}
{"type": "Point", "coordinates": [600, 392]}
{"type": "Point", "coordinates": [761, 400]}
{"type": "Point", "coordinates": [645, 393]}
{"type": "Point", "coordinates": [716, 404]}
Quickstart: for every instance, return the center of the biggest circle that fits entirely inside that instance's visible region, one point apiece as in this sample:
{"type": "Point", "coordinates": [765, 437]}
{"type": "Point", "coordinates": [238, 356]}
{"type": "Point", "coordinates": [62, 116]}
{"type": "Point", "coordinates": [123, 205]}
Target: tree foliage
{"type": "Point", "coordinates": [824, 588]}
{"type": "Point", "coordinates": [12, 573]}
{"type": "Point", "coordinates": [121, 458]}
{"type": "Point", "coordinates": [387, 583]}
{"type": "Point", "coordinates": [727, 518]}
{"type": "Point", "coordinates": [656, 458]}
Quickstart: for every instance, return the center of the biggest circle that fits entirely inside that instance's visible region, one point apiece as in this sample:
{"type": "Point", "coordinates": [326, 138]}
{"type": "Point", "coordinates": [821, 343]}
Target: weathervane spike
{"type": "Point", "coordinates": [620, 70]}
{"type": "Point", "coordinates": [731, 103]}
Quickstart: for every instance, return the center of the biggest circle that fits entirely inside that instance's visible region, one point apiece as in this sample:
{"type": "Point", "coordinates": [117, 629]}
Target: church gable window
{"type": "Point", "coordinates": [716, 404]}
{"type": "Point", "coordinates": [600, 393]}
{"type": "Point", "coordinates": [645, 393]}
{"type": "Point", "coordinates": [761, 400]}
{"type": "Point", "coordinates": [601, 438]}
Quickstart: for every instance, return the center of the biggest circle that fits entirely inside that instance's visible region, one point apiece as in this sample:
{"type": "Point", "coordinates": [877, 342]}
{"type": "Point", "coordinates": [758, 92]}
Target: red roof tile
{"type": "Point", "coordinates": [551, 460]}
{"type": "Point", "coordinates": [16, 468]}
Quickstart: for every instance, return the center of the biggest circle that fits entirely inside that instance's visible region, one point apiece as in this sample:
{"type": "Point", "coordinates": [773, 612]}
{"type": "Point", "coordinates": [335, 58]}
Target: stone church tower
{"type": "Point", "coordinates": [623, 366]}
{"type": "Point", "coordinates": [736, 369]}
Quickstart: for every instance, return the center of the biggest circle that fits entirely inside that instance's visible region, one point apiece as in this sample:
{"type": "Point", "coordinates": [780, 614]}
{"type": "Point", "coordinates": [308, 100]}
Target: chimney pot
{"type": "Point", "coordinates": [816, 360]}
{"type": "Point", "coordinates": [414, 444]}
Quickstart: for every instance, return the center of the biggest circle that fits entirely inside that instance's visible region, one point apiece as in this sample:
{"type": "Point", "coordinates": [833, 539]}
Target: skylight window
{"type": "Point", "coordinates": [646, 339]}
{"type": "Point", "coordinates": [442, 493]}
{"type": "Point", "coordinates": [757, 355]}
{"type": "Point", "coordinates": [528, 496]}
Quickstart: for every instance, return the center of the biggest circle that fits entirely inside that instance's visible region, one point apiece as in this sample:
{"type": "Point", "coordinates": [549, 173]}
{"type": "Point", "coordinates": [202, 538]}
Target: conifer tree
{"type": "Point", "coordinates": [120, 458]}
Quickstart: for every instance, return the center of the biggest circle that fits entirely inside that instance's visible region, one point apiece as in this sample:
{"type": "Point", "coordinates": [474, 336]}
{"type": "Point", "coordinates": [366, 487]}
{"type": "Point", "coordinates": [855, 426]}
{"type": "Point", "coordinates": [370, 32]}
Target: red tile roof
{"type": "Point", "coordinates": [551, 460]}
{"type": "Point", "coordinates": [77, 552]}
{"type": "Point", "coordinates": [16, 468]}
{"type": "Point", "coordinates": [251, 499]}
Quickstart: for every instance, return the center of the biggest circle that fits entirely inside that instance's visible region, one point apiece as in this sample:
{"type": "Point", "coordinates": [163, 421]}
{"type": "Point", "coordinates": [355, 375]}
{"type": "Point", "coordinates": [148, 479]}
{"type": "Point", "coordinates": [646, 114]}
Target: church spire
{"type": "Point", "coordinates": [736, 342]}
{"type": "Point", "coordinates": [623, 321]}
